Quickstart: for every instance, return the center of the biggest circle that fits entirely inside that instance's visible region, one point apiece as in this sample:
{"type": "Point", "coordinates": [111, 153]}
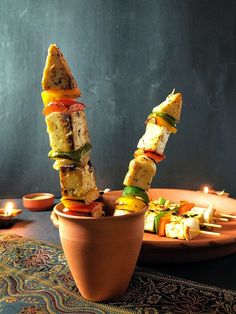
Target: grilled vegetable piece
{"type": "Point", "coordinates": [57, 74]}
{"type": "Point", "coordinates": [95, 209]}
{"type": "Point", "coordinates": [66, 105]}
{"type": "Point", "coordinates": [185, 206]}
{"type": "Point", "coordinates": [76, 155]}
{"type": "Point", "coordinates": [137, 192]}
{"type": "Point", "coordinates": [60, 162]}
{"type": "Point", "coordinates": [154, 138]}
{"type": "Point", "coordinates": [140, 173]}
{"type": "Point", "coordinates": [67, 132]}
{"type": "Point", "coordinates": [153, 155]}
{"type": "Point", "coordinates": [162, 225]}
{"type": "Point", "coordinates": [163, 119]}
{"type": "Point", "coordinates": [163, 204]}
{"type": "Point", "coordinates": [79, 183]}
{"type": "Point", "coordinates": [57, 94]}
{"type": "Point", "coordinates": [171, 106]}
{"type": "Point", "coordinates": [129, 203]}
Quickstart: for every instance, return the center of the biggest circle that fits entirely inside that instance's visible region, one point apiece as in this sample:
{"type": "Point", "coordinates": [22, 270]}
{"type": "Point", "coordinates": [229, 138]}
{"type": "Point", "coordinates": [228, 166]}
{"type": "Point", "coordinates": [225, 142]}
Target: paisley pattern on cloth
{"type": "Point", "coordinates": [35, 279]}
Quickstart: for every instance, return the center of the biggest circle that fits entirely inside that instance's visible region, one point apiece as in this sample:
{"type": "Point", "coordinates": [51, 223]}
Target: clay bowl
{"type": "Point", "coordinates": [204, 247]}
{"type": "Point", "coordinates": [38, 201]}
{"type": "Point", "coordinates": [101, 252]}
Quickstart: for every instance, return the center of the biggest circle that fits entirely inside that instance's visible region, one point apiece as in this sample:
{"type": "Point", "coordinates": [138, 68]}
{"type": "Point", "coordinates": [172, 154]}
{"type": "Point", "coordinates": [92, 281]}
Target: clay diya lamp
{"type": "Point", "coordinates": [8, 213]}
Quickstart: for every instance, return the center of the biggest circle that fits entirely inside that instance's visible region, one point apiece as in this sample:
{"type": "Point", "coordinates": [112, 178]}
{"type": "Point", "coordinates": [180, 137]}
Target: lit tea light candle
{"type": "Point", "coordinates": [206, 190]}
{"type": "Point", "coordinates": [9, 212]}
{"type": "Point", "coordinates": [9, 209]}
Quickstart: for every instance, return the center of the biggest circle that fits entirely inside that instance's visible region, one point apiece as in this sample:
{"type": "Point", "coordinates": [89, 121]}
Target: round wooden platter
{"type": "Point", "coordinates": [204, 247]}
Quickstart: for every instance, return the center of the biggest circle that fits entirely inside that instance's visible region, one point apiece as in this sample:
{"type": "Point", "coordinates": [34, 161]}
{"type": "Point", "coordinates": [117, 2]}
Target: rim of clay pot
{"type": "Point", "coordinates": [59, 213]}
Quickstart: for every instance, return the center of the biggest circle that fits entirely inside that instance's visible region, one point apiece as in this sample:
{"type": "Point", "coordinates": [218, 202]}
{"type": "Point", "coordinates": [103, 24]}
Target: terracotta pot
{"type": "Point", "coordinates": [101, 252]}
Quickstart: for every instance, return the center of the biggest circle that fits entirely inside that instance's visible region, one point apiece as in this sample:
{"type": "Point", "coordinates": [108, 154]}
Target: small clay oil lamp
{"type": "Point", "coordinates": [7, 213]}
{"type": "Point", "coordinates": [206, 190]}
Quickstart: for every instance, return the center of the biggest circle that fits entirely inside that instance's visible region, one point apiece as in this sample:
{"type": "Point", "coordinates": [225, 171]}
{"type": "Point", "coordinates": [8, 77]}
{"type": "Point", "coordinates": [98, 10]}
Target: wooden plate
{"type": "Point", "coordinates": [204, 247]}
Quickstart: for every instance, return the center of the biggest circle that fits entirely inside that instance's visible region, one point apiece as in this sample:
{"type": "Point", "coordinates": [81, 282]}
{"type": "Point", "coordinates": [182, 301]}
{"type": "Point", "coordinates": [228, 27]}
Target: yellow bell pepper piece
{"type": "Point", "coordinates": [52, 95]}
{"type": "Point", "coordinates": [129, 203]}
{"type": "Point", "coordinates": [68, 203]}
{"type": "Point", "coordinates": [162, 122]}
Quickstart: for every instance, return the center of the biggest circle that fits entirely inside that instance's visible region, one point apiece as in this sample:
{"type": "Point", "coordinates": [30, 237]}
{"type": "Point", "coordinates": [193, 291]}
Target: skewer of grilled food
{"type": "Point", "coordinates": [69, 136]}
{"type": "Point", "coordinates": [150, 151]}
{"type": "Point", "coordinates": [168, 219]}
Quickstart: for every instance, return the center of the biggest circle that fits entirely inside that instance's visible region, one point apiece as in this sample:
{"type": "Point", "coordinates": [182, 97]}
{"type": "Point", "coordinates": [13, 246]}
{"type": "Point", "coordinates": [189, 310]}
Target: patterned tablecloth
{"type": "Point", "coordinates": [35, 279]}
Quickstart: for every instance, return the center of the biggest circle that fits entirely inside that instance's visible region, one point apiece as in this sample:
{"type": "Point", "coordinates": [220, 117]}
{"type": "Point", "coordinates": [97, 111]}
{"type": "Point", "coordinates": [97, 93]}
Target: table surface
{"type": "Point", "coordinates": [220, 272]}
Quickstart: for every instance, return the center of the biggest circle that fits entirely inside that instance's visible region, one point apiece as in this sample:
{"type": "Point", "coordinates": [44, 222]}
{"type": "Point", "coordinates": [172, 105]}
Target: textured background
{"type": "Point", "coordinates": [126, 57]}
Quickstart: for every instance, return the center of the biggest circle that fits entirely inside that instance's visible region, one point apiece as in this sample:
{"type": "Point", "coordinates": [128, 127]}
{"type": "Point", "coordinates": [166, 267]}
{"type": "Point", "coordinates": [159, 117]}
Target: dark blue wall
{"type": "Point", "coordinates": [126, 56]}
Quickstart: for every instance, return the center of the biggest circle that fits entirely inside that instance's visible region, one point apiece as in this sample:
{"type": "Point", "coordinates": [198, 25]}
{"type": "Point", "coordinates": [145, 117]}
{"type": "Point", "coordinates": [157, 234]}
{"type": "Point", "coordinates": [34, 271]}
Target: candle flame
{"type": "Point", "coordinates": [206, 189]}
{"type": "Point", "coordinates": [9, 209]}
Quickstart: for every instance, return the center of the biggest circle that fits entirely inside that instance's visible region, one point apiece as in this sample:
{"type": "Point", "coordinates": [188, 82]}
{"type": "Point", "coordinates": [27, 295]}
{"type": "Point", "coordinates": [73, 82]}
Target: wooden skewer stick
{"type": "Point", "coordinates": [210, 232]}
{"type": "Point", "coordinates": [220, 218]}
{"type": "Point", "coordinates": [210, 225]}
{"type": "Point", "coordinates": [205, 232]}
{"type": "Point", "coordinates": [228, 216]}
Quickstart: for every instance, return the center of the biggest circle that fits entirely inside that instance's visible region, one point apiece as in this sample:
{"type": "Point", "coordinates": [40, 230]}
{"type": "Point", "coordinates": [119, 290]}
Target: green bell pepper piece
{"type": "Point", "coordinates": [75, 155]}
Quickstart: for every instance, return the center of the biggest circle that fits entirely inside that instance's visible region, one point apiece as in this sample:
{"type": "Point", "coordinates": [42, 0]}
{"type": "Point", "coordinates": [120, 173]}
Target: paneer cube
{"type": "Point", "coordinates": [57, 74]}
{"type": "Point", "coordinates": [140, 173]}
{"type": "Point", "coordinates": [175, 230]}
{"type": "Point", "coordinates": [78, 183]}
{"type": "Point", "coordinates": [149, 221]}
{"type": "Point", "coordinates": [67, 132]}
{"type": "Point", "coordinates": [154, 139]}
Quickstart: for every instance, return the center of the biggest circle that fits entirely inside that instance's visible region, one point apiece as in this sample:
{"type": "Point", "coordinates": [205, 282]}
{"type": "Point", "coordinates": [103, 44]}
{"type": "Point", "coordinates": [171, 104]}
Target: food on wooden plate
{"type": "Point", "coordinates": [180, 221]}
{"type": "Point", "coordinates": [150, 151]}
{"type": "Point", "coordinates": [158, 215]}
{"type": "Point", "coordinates": [69, 137]}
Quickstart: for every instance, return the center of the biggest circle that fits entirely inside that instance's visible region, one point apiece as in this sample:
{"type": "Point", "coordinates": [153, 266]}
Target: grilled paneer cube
{"type": "Point", "coordinates": [57, 74]}
{"type": "Point", "coordinates": [154, 139]}
{"type": "Point", "coordinates": [67, 132]}
{"type": "Point", "coordinates": [79, 183]}
{"type": "Point", "coordinates": [175, 230]}
{"type": "Point", "coordinates": [140, 173]}
{"type": "Point", "coordinates": [186, 228]}
{"type": "Point", "coordinates": [149, 220]}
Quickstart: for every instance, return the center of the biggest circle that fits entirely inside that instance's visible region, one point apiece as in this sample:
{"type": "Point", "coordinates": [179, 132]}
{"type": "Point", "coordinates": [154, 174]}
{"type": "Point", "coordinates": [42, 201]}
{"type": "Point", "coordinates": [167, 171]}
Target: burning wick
{"type": "Point", "coordinates": [206, 189]}
{"type": "Point", "coordinates": [8, 212]}
{"type": "Point", "coordinates": [8, 209]}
